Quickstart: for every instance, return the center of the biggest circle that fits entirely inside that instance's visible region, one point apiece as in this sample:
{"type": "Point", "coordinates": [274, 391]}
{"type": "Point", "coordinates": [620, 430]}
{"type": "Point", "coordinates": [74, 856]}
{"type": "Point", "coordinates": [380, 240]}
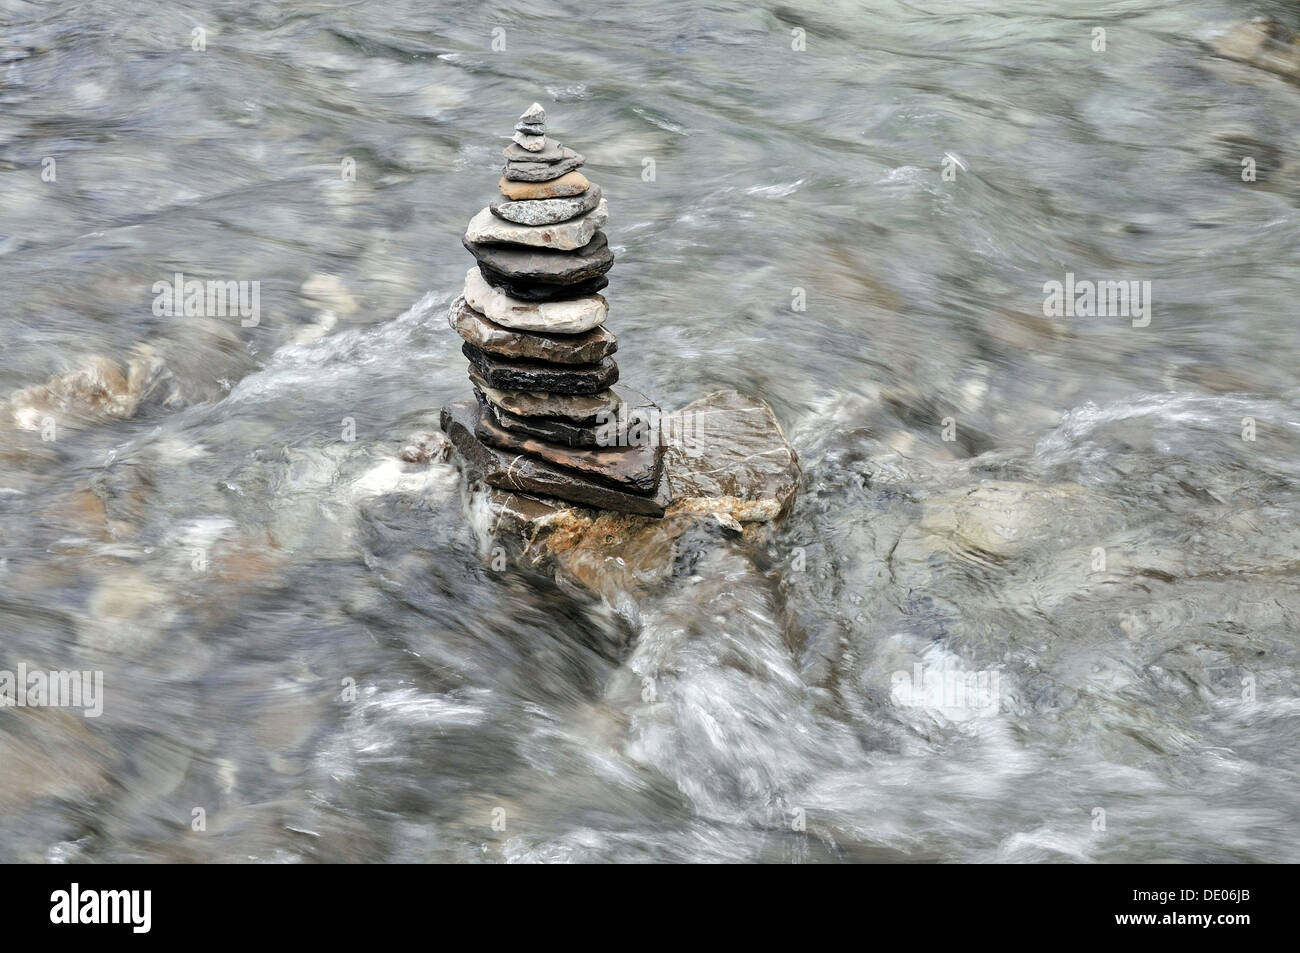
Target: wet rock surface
{"type": "Point", "coordinates": [524, 473]}
{"type": "Point", "coordinates": [584, 347]}
{"type": "Point", "coordinates": [728, 464]}
{"type": "Point", "coordinates": [541, 376]}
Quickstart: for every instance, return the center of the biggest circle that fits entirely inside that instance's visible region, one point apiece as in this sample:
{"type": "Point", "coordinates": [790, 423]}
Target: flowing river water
{"type": "Point", "coordinates": [305, 656]}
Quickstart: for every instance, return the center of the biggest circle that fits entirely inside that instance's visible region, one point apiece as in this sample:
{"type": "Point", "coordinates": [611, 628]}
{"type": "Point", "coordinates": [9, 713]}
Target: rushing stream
{"type": "Point", "coordinates": [304, 653]}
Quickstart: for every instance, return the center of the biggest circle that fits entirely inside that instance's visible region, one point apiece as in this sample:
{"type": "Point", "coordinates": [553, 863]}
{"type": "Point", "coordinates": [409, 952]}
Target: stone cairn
{"type": "Point", "coordinates": [549, 419]}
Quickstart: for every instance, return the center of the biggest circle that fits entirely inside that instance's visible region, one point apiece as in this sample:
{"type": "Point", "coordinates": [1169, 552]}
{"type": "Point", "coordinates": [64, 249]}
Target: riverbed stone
{"type": "Point", "coordinates": [516, 472]}
{"type": "Point", "coordinates": [521, 268]}
{"type": "Point", "coordinates": [483, 333]}
{"type": "Point", "coordinates": [534, 115]}
{"type": "Point", "coordinates": [530, 143]}
{"type": "Point", "coordinates": [573, 316]}
{"type": "Point", "coordinates": [540, 375]}
{"type": "Point", "coordinates": [551, 429]}
{"type": "Point", "coordinates": [582, 409]}
{"type": "Point", "coordinates": [740, 471]}
{"type": "Point", "coordinates": [571, 183]}
{"type": "Point", "coordinates": [636, 469]}
{"type": "Point", "coordinates": [544, 171]}
{"type": "Point", "coordinates": [548, 151]}
{"type": "Point", "coordinates": [1264, 43]}
{"type": "Point", "coordinates": [627, 425]}
{"type": "Point", "coordinates": [548, 211]}
{"type": "Point", "coordinates": [564, 236]}
{"type": "Point", "coordinates": [531, 128]}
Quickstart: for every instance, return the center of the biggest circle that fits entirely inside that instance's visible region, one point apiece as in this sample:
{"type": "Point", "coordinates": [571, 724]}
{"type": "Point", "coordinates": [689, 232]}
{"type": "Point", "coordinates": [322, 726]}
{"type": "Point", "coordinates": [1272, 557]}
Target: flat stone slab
{"type": "Point", "coordinates": [540, 376]}
{"type": "Point", "coordinates": [583, 409]}
{"type": "Point", "coordinates": [548, 211]}
{"type": "Point", "coordinates": [739, 474]}
{"type": "Point", "coordinates": [541, 294]}
{"type": "Point", "coordinates": [622, 425]}
{"type": "Point", "coordinates": [505, 266]}
{"type": "Point", "coordinates": [636, 469]}
{"type": "Point", "coordinates": [477, 329]}
{"type": "Point", "coordinates": [543, 171]}
{"type": "Point", "coordinates": [518, 472]}
{"type": "Point", "coordinates": [571, 183]}
{"type": "Point", "coordinates": [563, 236]}
{"type": "Point", "coordinates": [570, 316]}
{"type": "Point", "coordinates": [548, 150]}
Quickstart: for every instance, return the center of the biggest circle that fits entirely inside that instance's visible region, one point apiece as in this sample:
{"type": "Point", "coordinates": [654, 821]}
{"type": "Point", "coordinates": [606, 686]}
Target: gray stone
{"type": "Point", "coordinates": [521, 473]}
{"type": "Point", "coordinates": [625, 425]}
{"type": "Point", "coordinates": [485, 334]}
{"type": "Point", "coordinates": [523, 268]}
{"type": "Point", "coordinates": [582, 409]}
{"type": "Point", "coordinates": [548, 151]}
{"type": "Point", "coordinates": [531, 129]}
{"type": "Point", "coordinates": [635, 469]}
{"type": "Point", "coordinates": [547, 211]}
{"type": "Point", "coordinates": [552, 429]}
{"type": "Point", "coordinates": [487, 228]}
{"type": "Point", "coordinates": [529, 143]}
{"type": "Point", "coordinates": [540, 376]}
{"type": "Point", "coordinates": [534, 115]}
{"type": "Point", "coordinates": [543, 171]}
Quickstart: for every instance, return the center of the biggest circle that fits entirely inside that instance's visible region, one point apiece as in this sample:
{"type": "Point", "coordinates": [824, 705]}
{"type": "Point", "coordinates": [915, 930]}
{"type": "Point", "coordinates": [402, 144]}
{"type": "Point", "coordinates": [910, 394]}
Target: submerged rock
{"type": "Point", "coordinates": [1262, 42]}
{"type": "Point", "coordinates": [729, 469]}
{"type": "Point", "coordinates": [98, 390]}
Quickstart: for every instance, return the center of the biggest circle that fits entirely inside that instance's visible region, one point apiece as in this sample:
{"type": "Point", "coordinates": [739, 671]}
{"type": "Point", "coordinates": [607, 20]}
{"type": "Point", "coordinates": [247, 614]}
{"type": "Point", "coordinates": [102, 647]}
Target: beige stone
{"type": "Point", "coordinates": [553, 317]}
{"type": "Point", "coordinates": [571, 183]}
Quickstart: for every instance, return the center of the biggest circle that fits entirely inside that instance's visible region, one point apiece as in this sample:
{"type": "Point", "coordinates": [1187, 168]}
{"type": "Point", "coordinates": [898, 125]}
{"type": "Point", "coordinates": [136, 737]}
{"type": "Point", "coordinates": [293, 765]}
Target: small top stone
{"type": "Point", "coordinates": [534, 115]}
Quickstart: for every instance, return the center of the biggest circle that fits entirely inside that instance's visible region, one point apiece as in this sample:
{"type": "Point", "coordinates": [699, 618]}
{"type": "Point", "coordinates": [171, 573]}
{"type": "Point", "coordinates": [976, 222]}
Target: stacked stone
{"type": "Point", "coordinates": [549, 419]}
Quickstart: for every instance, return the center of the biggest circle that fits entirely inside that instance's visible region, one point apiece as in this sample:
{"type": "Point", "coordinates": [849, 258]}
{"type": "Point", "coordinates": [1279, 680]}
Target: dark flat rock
{"type": "Point", "coordinates": [582, 409]}
{"type": "Point", "coordinates": [554, 429]}
{"type": "Point", "coordinates": [535, 293]}
{"type": "Point", "coordinates": [635, 469]}
{"type": "Point", "coordinates": [525, 474]}
{"type": "Point", "coordinates": [503, 264]}
{"type": "Point", "coordinates": [541, 376]}
{"type": "Point", "coordinates": [586, 347]}
{"type": "Point", "coordinates": [626, 423]}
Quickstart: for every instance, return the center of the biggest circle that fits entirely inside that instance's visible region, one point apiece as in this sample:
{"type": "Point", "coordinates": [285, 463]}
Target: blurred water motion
{"type": "Point", "coordinates": [298, 634]}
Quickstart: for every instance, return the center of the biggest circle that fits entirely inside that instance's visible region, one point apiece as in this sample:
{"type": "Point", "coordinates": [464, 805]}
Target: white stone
{"type": "Point", "coordinates": [557, 317]}
{"type": "Point", "coordinates": [562, 236]}
{"type": "Point", "coordinates": [531, 143]}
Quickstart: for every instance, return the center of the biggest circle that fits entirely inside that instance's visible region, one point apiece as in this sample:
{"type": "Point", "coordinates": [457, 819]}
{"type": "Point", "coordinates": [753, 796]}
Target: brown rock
{"type": "Point", "coordinates": [571, 183]}
{"type": "Point", "coordinates": [636, 469]}
{"type": "Point", "coordinates": [614, 554]}
{"type": "Point", "coordinates": [1264, 43]}
{"type": "Point", "coordinates": [629, 426]}
{"type": "Point", "coordinates": [525, 474]}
